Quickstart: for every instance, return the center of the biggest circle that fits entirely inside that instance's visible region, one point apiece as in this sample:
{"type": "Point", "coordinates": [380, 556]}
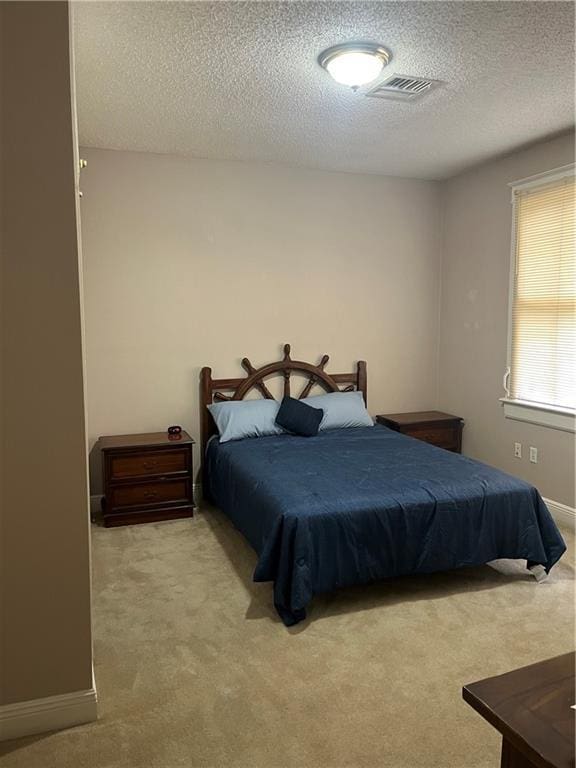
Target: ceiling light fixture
{"type": "Point", "coordinates": [354, 64]}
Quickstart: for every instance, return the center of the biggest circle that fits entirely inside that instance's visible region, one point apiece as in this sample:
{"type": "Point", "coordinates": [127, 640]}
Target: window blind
{"type": "Point", "coordinates": [543, 348]}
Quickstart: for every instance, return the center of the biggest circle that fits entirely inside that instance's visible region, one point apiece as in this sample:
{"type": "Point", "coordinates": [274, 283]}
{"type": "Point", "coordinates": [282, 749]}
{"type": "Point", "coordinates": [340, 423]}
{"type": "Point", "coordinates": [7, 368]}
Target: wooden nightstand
{"type": "Point", "coordinates": [146, 477]}
{"type": "Point", "coordinates": [441, 429]}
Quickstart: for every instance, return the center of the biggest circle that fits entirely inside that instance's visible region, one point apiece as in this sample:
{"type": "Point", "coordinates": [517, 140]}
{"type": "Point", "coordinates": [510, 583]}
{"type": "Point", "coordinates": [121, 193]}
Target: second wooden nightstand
{"type": "Point", "coordinates": [441, 429]}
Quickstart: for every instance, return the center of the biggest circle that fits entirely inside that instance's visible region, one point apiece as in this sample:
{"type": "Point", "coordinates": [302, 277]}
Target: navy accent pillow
{"type": "Point", "coordinates": [299, 418]}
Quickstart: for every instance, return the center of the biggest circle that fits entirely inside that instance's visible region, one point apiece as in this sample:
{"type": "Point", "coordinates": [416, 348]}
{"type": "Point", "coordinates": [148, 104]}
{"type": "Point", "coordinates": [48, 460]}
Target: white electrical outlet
{"type": "Point", "coordinates": [518, 450]}
{"type": "Point", "coordinates": [533, 455]}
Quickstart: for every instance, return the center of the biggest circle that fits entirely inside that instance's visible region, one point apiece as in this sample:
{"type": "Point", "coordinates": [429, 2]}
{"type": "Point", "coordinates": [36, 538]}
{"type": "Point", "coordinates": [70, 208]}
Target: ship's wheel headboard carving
{"type": "Point", "coordinates": [236, 389]}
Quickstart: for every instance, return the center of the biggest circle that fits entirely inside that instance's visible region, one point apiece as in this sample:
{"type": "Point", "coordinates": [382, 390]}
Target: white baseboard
{"type": "Point", "coordinates": [564, 515]}
{"type": "Point", "coordinates": [50, 714]}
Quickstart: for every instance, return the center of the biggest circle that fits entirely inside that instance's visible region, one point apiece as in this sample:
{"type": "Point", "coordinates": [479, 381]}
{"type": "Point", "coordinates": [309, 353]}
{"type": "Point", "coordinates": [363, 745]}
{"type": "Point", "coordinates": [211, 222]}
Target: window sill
{"type": "Point", "coordinates": [563, 419]}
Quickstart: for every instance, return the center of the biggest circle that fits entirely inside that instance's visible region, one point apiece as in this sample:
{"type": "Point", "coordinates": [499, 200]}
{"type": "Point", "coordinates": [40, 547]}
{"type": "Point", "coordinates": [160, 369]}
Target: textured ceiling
{"type": "Point", "coordinates": [239, 80]}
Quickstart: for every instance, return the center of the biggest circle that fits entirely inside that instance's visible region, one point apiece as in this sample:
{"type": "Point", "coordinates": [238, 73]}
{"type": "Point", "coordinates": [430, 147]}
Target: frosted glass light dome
{"type": "Point", "coordinates": [354, 64]}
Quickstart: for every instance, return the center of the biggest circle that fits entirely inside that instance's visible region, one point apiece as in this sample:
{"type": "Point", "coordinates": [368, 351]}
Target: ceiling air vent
{"type": "Point", "coordinates": [403, 88]}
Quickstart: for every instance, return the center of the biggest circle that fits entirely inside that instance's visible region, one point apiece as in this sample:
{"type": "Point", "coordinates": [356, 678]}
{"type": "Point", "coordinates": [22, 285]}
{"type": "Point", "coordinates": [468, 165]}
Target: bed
{"type": "Point", "coordinates": [352, 506]}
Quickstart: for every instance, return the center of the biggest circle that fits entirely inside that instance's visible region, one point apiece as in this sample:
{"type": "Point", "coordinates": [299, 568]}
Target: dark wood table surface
{"type": "Point", "coordinates": [420, 417]}
{"type": "Point", "coordinates": [143, 440]}
{"type": "Point", "coordinates": [532, 709]}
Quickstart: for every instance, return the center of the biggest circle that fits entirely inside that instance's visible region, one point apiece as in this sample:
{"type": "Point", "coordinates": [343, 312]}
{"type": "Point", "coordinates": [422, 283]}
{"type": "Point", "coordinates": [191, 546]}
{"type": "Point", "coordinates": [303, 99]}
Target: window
{"type": "Point", "coordinates": [541, 378]}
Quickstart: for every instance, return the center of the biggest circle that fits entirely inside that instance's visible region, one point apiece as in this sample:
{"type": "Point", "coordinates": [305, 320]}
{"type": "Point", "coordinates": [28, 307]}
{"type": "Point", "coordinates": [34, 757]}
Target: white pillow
{"type": "Point", "coordinates": [237, 419]}
{"type": "Point", "coordinates": [341, 409]}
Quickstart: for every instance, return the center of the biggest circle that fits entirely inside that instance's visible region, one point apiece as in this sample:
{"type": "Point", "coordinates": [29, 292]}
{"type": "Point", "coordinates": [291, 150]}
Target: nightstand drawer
{"type": "Point", "coordinates": [443, 438]}
{"type": "Point", "coordinates": [123, 467]}
{"type": "Point", "coordinates": [141, 494]}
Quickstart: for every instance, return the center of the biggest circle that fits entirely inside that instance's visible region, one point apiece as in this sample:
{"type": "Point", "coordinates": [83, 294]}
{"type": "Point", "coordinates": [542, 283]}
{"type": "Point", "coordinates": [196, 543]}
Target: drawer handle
{"type": "Point", "coordinates": [150, 464]}
{"type": "Point", "coordinates": [150, 494]}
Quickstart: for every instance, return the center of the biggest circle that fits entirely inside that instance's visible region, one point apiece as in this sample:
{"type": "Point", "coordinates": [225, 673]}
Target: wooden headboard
{"type": "Point", "coordinates": [215, 389]}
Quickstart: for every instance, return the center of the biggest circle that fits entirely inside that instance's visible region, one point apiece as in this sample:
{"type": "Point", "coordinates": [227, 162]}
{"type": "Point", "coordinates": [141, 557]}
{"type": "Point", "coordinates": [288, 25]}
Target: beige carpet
{"type": "Point", "coordinates": [193, 667]}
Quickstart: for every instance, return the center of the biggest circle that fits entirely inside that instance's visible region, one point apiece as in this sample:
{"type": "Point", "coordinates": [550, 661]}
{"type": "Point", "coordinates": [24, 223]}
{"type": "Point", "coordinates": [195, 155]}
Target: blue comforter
{"type": "Point", "coordinates": [352, 506]}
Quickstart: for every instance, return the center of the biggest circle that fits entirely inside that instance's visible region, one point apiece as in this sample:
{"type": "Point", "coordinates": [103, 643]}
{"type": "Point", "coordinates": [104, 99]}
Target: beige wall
{"type": "Point", "coordinates": [473, 331]}
{"type": "Point", "coordinates": [191, 263]}
{"type": "Point", "coordinates": [45, 531]}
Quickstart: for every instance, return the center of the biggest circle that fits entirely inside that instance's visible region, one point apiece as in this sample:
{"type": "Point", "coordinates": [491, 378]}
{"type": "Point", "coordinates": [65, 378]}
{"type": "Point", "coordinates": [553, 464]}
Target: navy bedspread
{"type": "Point", "coordinates": [352, 506]}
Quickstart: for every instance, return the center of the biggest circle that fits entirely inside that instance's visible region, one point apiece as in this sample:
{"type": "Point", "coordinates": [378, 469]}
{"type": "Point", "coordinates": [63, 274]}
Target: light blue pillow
{"type": "Point", "coordinates": [245, 418]}
{"type": "Point", "coordinates": [341, 409]}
